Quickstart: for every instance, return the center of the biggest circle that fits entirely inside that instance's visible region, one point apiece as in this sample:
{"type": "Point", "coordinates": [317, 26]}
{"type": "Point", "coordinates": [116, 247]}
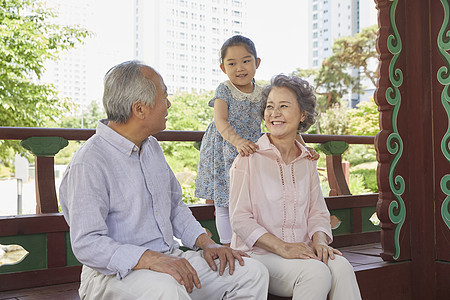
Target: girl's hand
{"type": "Point", "coordinates": [314, 155]}
{"type": "Point", "coordinates": [323, 251]}
{"type": "Point", "coordinates": [245, 147]}
{"type": "Point", "coordinates": [297, 250]}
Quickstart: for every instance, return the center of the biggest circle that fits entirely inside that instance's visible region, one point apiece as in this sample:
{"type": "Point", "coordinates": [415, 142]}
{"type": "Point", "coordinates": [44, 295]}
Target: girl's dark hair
{"type": "Point", "coordinates": [305, 97]}
{"type": "Point", "coordinates": [236, 41]}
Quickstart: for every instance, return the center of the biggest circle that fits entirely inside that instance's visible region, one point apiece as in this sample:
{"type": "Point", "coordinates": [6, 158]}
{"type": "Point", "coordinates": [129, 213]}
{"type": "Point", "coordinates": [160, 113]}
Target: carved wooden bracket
{"type": "Point", "coordinates": [44, 149]}
{"type": "Point", "coordinates": [336, 178]}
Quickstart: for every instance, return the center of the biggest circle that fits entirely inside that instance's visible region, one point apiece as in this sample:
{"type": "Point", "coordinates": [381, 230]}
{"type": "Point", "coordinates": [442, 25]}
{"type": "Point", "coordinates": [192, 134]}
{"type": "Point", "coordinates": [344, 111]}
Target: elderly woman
{"type": "Point", "coordinates": [278, 213]}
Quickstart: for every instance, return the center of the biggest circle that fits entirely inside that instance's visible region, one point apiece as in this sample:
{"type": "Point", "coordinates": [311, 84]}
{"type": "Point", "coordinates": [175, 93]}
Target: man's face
{"type": "Point", "coordinates": [157, 115]}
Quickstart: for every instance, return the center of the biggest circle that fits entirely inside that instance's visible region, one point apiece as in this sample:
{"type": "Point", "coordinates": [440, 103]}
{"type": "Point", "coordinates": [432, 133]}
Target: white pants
{"type": "Point", "coordinates": [223, 224]}
{"type": "Point", "coordinates": [247, 282]}
{"type": "Point", "coordinates": [310, 278]}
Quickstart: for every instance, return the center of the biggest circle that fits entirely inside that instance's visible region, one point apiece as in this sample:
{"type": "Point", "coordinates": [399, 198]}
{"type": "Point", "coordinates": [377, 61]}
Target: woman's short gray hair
{"type": "Point", "coordinates": [305, 97]}
{"type": "Point", "coordinates": [125, 84]}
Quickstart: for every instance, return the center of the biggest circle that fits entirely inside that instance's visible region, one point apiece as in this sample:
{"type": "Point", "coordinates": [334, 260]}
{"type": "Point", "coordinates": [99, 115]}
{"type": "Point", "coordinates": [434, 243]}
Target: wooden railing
{"type": "Point", "coordinates": [45, 234]}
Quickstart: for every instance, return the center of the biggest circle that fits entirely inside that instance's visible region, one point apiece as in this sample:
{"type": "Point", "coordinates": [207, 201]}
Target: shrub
{"type": "Point", "coordinates": [356, 185]}
{"type": "Point", "coordinates": [369, 178]}
{"type": "Point", "coordinates": [358, 154]}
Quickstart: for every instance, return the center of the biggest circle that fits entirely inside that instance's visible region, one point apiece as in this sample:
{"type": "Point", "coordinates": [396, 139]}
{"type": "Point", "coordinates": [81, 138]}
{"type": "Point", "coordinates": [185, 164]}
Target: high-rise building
{"type": "Point", "coordinates": [77, 74]}
{"type": "Point", "coordinates": [68, 73]}
{"type": "Point", "coordinates": [334, 19]}
{"type": "Point", "coordinates": [182, 39]}
{"type": "Point", "coordinates": [330, 20]}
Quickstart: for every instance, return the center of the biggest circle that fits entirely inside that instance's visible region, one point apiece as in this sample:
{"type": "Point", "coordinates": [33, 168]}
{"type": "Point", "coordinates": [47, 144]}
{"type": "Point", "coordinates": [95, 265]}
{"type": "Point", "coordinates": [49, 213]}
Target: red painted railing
{"type": "Point", "coordinates": [49, 222]}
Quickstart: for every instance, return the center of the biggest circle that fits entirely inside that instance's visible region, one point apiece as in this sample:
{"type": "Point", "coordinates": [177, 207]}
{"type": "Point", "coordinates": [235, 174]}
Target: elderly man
{"type": "Point", "coordinates": [124, 206]}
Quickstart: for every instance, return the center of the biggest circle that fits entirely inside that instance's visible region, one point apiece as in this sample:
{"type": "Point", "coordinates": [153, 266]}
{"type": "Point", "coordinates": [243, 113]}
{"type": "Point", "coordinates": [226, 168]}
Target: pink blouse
{"type": "Point", "coordinates": [269, 196]}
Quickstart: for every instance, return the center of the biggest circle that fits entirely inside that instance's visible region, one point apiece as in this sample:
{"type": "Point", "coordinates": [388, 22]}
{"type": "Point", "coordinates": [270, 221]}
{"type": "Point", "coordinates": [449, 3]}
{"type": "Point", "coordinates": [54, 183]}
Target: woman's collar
{"type": "Point", "coordinates": [265, 145]}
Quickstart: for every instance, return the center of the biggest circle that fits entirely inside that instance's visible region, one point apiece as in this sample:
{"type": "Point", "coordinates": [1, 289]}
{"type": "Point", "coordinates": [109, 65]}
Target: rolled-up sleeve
{"type": "Point", "coordinates": [242, 218]}
{"type": "Point", "coordinates": [319, 216]}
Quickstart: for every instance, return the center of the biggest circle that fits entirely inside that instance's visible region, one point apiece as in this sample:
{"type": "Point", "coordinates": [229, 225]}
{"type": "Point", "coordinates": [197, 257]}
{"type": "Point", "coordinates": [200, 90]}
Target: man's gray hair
{"type": "Point", "coordinates": [125, 84]}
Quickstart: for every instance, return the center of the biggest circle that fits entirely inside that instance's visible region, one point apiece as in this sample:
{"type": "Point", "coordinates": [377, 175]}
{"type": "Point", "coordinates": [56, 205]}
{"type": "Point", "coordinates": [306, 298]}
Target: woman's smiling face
{"type": "Point", "coordinates": [282, 114]}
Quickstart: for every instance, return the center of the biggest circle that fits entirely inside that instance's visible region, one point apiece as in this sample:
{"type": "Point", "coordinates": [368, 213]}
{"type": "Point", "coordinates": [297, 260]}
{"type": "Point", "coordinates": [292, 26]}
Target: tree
{"type": "Point", "coordinates": [359, 52]}
{"type": "Point", "coordinates": [364, 119]}
{"type": "Point", "coordinates": [333, 79]}
{"type": "Point", "coordinates": [88, 118]}
{"type": "Point", "coordinates": [29, 37]}
{"type": "Point", "coordinates": [188, 112]}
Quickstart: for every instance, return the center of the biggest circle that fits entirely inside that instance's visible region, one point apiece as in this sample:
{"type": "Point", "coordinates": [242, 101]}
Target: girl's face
{"type": "Point", "coordinates": [282, 114]}
{"type": "Point", "coordinates": [240, 67]}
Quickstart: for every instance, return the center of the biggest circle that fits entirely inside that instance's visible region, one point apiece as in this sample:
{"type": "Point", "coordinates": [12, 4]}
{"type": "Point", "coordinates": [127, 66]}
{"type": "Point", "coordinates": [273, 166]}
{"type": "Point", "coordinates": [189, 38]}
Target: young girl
{"type": "Point", "coordinates": [235, 129]}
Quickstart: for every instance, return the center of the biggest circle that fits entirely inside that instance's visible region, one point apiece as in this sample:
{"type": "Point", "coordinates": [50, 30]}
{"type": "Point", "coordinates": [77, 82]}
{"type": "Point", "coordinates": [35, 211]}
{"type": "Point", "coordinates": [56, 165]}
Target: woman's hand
{"type": "Point", "coordinates": [297, 250]}
{"type": "Point", "coordinates": [323, 251]}
{"type": "Point", "coordinates": [321, 248]}
{"type": "Point", "coordinates": [245, 147]}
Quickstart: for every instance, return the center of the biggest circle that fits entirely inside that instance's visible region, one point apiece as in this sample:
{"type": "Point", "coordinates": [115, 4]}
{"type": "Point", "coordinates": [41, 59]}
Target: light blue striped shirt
{"type": "Point", "coordinates": [119, 203]}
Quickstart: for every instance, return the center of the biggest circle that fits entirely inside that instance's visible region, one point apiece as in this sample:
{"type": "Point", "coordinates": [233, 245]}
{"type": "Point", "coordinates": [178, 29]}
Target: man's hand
{"type": "Point", "coordinates": [225, 255]}
{"type": "Point", "coordinates": [178, 268]}
{"type": "Point", "coordinates": [212, 251]}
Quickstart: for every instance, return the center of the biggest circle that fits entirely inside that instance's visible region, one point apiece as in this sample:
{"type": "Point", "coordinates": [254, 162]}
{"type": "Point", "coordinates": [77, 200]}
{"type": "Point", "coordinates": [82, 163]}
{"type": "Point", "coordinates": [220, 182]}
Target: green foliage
{"type": "Point", "coordinates": [5, 172]}
{"type": "Point", "coordinates": [364, 119]}
{"type": "Point", "coordinates": [88, 118]}
{"type": "Point", "coordinates": [188, 112]}
{"type": "Point", "coordinates": [369, 179]}
{"type": "Point", "coordinates": [262, 83]}
{"type": "Point", "coordinates": [28, 39]}
{"type": "Point", "coordinates": [358, 154]}
{"type": "Point", "coordinates": [358, 51]}
{"type": "Point", "coordinates": [335, 120]}
{"type": "Point", "coordinates": [356, 185]}
{"type": "Point", "coordinates": [333, 78]}
{"type": "Point", "coordinates": [65, 155]}
{"type": "Point", "coordinates": [189, 193]}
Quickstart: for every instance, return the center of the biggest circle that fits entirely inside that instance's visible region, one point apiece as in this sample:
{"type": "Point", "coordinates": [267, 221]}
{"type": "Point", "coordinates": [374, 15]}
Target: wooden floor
{"type": "Point", "coordinates": [362, 257]}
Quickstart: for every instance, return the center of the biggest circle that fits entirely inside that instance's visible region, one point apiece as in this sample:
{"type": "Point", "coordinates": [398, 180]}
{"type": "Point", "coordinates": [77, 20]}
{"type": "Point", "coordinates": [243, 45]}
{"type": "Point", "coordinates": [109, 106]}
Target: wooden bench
{"type": "Point", "coordinates": [51, 271]}
{"type": "Point", "coordinates": [361, 257]}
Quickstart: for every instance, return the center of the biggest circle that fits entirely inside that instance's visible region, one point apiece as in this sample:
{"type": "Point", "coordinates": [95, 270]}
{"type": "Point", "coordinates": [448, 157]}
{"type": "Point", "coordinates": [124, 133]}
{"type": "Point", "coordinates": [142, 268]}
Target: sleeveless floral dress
{"type": "Point", "coordinates": [216, 154]}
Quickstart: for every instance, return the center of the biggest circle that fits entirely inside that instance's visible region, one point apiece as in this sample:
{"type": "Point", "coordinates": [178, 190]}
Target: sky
{"type": "Point", "coordinates": [280, 35]}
